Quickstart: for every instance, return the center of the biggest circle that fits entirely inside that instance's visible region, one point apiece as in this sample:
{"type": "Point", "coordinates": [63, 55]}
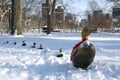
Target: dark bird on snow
{"type": "Point", "coordinates": [23, 43]}
{"type": "Point", "coordinates": [34, 45]}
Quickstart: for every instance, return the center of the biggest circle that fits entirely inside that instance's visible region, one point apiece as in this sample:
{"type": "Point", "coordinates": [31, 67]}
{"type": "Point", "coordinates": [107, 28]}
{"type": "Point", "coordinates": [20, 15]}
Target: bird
{"type": "Point", "coordinates": [40, 47]}
{"type": "Point", "coordinates": [7, 42]}
{"type": "Point", "coordinates": [83, 53]}
{"type": "Point", "coordinates": [23, 43]}
{"type": "Point", "coordinates": [60, 53]}
{"type": "Point", "coordinates": [15, 43]}
{"type": "Point", "coordinates": [34, 45]}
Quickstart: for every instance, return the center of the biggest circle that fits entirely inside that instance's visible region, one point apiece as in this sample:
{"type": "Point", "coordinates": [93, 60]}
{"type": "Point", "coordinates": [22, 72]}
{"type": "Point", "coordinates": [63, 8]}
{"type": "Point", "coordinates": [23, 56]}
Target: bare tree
{"type": "Point", "coordinates": [38, 14]}
{"type": "Point", "coordinates": [98, 20]}
{"type": "Point", "coordinates": [27, 10]}
{"type": "Point", "coordinates": [4, 10]}
{"type": "Point", "coordinates": [117, 2]}
{"type": "Point", "coordinates": [93, 6]}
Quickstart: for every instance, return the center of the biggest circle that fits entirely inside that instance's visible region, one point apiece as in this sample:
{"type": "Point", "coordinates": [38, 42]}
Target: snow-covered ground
{"type": "Point", "coordinates": [25, 63]}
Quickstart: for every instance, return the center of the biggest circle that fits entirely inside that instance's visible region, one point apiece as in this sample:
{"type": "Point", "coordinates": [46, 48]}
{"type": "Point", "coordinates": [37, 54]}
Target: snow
{"type": "Point", "coordinates": [25, 63]}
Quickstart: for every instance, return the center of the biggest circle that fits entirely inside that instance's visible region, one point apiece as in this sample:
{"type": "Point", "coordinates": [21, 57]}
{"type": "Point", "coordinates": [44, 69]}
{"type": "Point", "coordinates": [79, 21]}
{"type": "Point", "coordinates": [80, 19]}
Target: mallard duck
{"type": "Point", "coordinates": [83, 53]}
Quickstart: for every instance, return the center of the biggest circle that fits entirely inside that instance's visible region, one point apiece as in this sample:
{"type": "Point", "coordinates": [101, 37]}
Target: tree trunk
{"type": "Point", "coordinates": [50, 14]}
{"type": "Point", "coordinates": [12, 29]}
{"type": "Point", "coordinates": [48, 17]}
{"type": "Point", "coordinates": [16, 17]}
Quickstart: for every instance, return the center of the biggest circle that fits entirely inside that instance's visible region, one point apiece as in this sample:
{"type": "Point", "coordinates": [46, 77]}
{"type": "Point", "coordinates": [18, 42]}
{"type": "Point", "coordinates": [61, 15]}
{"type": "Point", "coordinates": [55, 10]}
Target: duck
{"type": "Point", "coordinates": [83, 52]}
{"type": "Point", "coordinates": [23, 43]}
{"type": "Point", "coordinates": [34, 45]}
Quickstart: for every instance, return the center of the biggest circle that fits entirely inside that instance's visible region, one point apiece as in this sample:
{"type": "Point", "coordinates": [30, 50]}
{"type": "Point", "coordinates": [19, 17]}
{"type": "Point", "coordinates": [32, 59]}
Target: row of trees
{"type": "Point", "coordinates": [25, 11]}
{"type": "Point", "coordinates": [98, 19]}
{"type": "Point", "coordinates": [20, 13]}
